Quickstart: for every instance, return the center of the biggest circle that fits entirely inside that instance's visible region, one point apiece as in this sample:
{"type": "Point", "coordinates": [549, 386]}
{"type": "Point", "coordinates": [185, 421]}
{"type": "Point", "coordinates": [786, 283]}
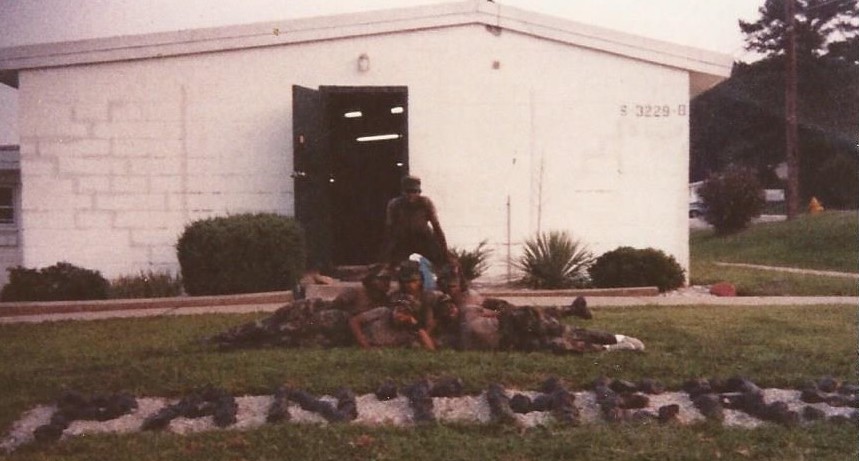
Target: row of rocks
{"type": "Point", "coordinates": [73, 405]}
{"type": "Point", "coordinates": [617, 400]}
{"type": "Point", "coordinates": [209, 400]}
{"type": "Point", "coordinates": [712, 397]}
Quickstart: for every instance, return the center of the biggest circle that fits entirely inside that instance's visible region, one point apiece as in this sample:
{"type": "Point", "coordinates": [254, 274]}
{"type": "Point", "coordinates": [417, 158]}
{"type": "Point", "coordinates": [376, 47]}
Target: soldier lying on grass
{"type": "Point", "coordinates": [466, 320]}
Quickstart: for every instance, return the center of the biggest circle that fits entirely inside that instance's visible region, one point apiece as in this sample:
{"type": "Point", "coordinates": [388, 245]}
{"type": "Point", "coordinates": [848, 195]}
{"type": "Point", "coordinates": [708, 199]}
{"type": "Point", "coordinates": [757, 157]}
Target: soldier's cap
{"type": "Point", "coordinates": [379, 271]}
{"type": "Point", "coordinates": [404, 304]}
{"type": "Point", "coordinates": [403, 299]}
{"type": "Point", "coordinates": [449, 273]}
{"type": "Point", "coordinates": [444, 300]}
{"type": "Point", "coordinates": [409, 271]}
{"type": "Point", "coordinates": [410, 183]}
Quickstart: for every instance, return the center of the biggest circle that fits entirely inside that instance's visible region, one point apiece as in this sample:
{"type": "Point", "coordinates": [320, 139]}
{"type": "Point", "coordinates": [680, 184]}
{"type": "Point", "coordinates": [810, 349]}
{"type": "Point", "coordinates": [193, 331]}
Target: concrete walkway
{"type": "Point", "coordinates": [794, 270]}
{"type": "Point", "coordinates": [244, 304]}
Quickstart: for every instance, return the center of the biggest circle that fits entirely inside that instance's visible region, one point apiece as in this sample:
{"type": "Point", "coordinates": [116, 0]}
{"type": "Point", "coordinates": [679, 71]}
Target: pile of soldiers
{"type": "Point", "coordinates": [454, 317]}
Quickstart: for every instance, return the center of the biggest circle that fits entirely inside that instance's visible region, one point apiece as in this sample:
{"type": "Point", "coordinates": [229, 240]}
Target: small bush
{"type": "Point", "coordinates": [244, 253]}
{"type": "Point", "coordinates": [731, 199]}
{"type": "Point", "coordinates": [60, 282]}
{"type": "Point", "coordinates": [630, 267]}
{"type": "Point", "coordinates": [473, 262]}
{"type": "Point", "coordinates": [836, 183]}
{"type": "Point", "coordinates": [554, 260]}
{"type": "Point", "coordinates": [146, 285]}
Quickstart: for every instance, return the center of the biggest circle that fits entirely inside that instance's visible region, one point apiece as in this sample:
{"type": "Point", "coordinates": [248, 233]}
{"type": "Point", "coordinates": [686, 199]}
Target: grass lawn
{"type": "Point", "coordinates": [776, 346]}
{"type": "Point", "coordinates": [827, 241]}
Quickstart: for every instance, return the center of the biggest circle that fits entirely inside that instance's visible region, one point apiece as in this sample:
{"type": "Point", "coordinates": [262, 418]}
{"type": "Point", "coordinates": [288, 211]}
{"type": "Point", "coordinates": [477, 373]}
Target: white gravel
{"type": "Point", "coordinates": [252, 411]}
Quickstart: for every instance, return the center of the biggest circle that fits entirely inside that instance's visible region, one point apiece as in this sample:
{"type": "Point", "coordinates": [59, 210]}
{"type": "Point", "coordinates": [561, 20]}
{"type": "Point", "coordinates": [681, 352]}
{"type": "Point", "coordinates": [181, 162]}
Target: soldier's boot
{"type": "Point", "coordinates": [579, 308]}
{"type": "Point", "coordinates": [627, 343]}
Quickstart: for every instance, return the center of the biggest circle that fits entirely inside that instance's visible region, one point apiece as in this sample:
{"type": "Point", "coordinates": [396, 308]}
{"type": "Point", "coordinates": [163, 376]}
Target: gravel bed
{"type": "Point", "coordinates": [252, 412]}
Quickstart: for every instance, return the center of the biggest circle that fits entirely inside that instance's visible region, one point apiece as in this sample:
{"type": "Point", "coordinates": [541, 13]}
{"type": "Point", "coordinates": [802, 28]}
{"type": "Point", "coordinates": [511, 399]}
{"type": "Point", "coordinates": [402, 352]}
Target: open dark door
{"type": "Point", "coordinates": [350, 149]}
{"type": "Point", "coordinates": [311, 175]}
{"type": "Point", "coordinates": [368, 147]}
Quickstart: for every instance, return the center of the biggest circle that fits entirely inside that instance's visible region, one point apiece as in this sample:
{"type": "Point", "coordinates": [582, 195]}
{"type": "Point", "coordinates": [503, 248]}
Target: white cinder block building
{"type": "Point", "coordinates": [516, 122]}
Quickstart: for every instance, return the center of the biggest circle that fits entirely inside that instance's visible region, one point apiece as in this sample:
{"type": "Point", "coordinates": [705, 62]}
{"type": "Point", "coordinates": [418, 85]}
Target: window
{"type": "Point", "coordinates": [7, 205]}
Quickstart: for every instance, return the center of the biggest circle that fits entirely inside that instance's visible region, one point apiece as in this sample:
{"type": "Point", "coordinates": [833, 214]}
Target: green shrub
{"type": "Point", "coordinates": [631, 267]}
{"type": "Point", "coordinates": [554, 260]}
{"type": "Point", "coordinates": [836, 183]}
{"type": "Point", "coordinates": [146, 285]}
{"type": "Point", "coordinates": [60, 282]}
{"type": "Point", "coordinates": [241, 254]}
{"type": "Point", "coordinates": [473, 262]}
{"type": "Point", "coordinates": [731, 199]}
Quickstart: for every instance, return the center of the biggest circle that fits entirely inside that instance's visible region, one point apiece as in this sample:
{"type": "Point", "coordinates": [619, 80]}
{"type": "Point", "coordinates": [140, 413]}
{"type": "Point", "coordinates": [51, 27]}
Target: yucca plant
{"type": "Point", "coordinates": [473, 262]}
{"type": "Point", "coordinates": [554, 260]}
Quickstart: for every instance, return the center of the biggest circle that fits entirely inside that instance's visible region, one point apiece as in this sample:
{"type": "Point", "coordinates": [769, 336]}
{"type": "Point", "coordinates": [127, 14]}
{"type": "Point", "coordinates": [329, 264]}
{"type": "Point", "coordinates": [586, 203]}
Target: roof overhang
{"type": "Point", "coordinates": [706, 68]}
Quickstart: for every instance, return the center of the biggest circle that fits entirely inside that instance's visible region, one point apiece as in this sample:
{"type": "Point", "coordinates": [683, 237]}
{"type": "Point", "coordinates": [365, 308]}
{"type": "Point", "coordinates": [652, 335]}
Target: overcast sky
{"type": "Point", "coordinates": [708, 24]}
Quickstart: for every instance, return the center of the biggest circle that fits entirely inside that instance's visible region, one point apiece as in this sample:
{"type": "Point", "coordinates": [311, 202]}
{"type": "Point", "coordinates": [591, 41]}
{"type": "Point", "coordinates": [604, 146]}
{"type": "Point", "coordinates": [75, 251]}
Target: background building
{"type": "Point", "coordinates": [517, 123]}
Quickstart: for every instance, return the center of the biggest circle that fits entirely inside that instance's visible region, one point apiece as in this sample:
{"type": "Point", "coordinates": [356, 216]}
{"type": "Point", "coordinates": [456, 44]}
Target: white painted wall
{"type": "Point", "coordinates": [117, 158]}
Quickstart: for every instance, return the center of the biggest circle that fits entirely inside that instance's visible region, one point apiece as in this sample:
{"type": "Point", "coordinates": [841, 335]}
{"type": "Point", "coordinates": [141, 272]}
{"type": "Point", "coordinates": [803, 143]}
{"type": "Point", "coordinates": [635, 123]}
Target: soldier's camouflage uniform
{"type": "Point", "coordinates": [302, 323]}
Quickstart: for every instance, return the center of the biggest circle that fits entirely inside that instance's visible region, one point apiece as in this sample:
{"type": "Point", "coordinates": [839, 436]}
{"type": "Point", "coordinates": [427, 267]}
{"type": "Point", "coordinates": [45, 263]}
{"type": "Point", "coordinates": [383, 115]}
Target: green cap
{"type": "Point", "coordinates": [411, 183]}
{"type": "Point", "coordinates": [409, 271]}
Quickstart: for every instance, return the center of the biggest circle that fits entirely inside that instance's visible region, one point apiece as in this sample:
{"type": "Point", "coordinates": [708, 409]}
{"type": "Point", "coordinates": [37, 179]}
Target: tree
{"type": "Point", "coordinates": [847, 50]}
{"type": "Point", "coordinates": [819, 24]}
{"type": "Point", "coordinates": [741, 122]}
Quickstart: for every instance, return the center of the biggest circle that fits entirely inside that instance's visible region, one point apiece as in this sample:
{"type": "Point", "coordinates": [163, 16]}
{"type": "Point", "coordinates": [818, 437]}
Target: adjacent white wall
{"type": "Point", "coordinates": [117, 158]}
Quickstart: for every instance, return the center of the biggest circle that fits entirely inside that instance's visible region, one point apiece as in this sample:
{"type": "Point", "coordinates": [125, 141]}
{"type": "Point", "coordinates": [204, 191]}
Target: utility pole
{"type": "Point", "coordinates": [791, 134]}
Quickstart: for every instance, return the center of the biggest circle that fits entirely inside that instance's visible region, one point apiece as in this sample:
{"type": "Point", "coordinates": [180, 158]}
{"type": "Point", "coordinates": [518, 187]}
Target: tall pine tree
{"type": "Point", "coordinates": [819, 23]}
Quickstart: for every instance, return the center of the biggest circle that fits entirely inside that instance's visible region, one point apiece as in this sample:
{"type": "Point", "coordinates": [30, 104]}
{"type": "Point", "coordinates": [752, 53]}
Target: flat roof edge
{"type": "Point", "coordinates": [278, 33]}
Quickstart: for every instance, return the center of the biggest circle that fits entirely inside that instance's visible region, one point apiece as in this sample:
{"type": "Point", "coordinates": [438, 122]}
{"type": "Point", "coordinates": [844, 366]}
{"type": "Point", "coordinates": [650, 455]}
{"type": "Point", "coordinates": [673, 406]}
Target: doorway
{"type": "Point", "coordinates": [348, 172]}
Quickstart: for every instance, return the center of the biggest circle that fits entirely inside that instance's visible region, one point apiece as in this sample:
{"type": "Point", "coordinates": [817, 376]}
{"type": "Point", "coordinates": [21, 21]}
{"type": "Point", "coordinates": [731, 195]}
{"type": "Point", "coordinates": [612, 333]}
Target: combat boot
{"type": "Point", "coordinates": [579, 308]}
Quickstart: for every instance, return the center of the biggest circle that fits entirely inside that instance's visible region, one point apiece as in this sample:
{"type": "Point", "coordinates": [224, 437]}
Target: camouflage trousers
{"type": "Point", "coordinates": [303, 323]}
{"type": "Point", "coordinates": [529, 328]}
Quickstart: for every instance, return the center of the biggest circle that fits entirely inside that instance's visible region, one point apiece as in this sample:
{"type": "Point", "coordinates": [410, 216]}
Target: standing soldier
{"type": "Point", "coordinates": [411, 226]}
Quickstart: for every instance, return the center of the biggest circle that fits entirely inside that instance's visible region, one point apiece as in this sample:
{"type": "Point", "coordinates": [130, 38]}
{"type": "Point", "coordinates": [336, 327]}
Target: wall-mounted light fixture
{"type": "Point", "coordinates": [363, 62]}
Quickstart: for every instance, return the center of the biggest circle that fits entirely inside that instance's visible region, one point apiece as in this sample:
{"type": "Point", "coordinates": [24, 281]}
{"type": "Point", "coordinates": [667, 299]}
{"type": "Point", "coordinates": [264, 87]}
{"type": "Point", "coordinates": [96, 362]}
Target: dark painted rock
{"type": "Point", "coordinates": [387, 390]}
{"type": "Point", "coordinates": [520, 403]}
{"type": "Point", "coordinates": [710, 406]}
{"type": "Point", "coordinates": [838, 400]}
{"type": "Point", "coordinates": [48, 432]}
{"type": "Point", "coordinates": [622, 386]}
{"type": "Point", "coordinates": [421, 401]}
{"type": "Point", "coordinates": [542, 402]}
{"type": "Point", "coordinates": [224, 413]}
{"type": "Point", "coordinates": [828, 384]}
{"type": "Point", "coordinates": [550, 385]}
{"type": "Point", "coordinates": [813, 414]}
{"type": "Point", "coordinates": [812, 396]}
{"type": "Point", "coordinates": [696, 387]}
{"type": "Point", "coordinates": [563, 408]}
{"type": "Point", "coordinates": [279, 409]}
{"type": "Point", "coordinates": [668, 413]}
{"type": "Point", "coordinates": [347, 405]}
{"type": "Point", "coordinates": [633, 401]}
{"type": "Point", "coordinates": [499, 404]}
{"type": "Point", "coordinates": [849, 389]}
{"type": "Point", "coordinates": [651, 386]}
{"type": "Point", "coordinates": [447, 387]}
{"type": "Point", "coordinates": [161, 419]}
